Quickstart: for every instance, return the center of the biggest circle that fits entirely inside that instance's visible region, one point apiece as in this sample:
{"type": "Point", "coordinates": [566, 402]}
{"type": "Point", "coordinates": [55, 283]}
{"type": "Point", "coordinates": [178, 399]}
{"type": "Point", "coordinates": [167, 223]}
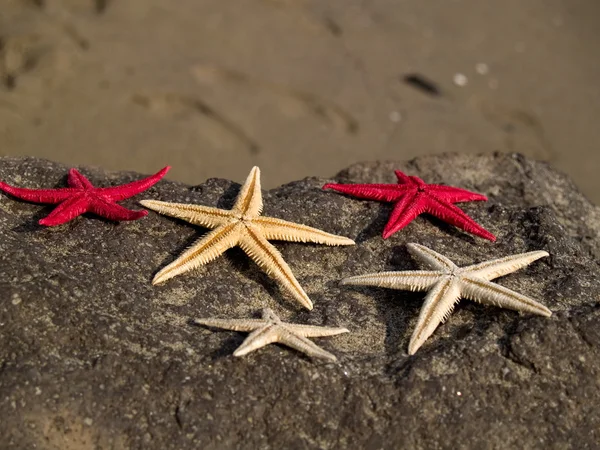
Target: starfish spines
{"type": "Point", "coordinates": [452, 214]}
{"type": "Point", "coordinates": [240, 325]}
{"type": "Point", "coordinates": [456, 195]}
{"type": "Point", "coordinates": [249, 202]}
{"type": "Point", "coordinates": [271, 329]}
{"type": "Point", "coordinates": [405, 211]}
{"type": "Point", "coordinates": [50, 196]}
{"type": "Point", "coordinates": [278, 229]}
{"type": "Point", "coordinates": [448, 283]}
{"type": "Point", "coordinates": [81, 196]}
{"type": "Point", "coordinates": [203, 251]}
{"type": "Point", "coordinates": [268, 258]}
{"type": "Point", "coordinates": [381, 192]}
{"type": "Point", "coordinates": [118, 193]}
{"type": "Point", "coordinates": [503, 266]}
{"type": "Point", "coordinates": [430, 258]}
{"type": "Point", "coordinates": [414, 197]}
{"type": "Point", "coordinates": [403, 178]}
{"type": "Point", "coordinates": [413, 280]}
{"type": "Point", "coordinates": [66, 211]}
{"type": "Point", "coordinates": [479, 291]}
{"type": "Point", "coordinates": [78, 180]}
{"type": "Point", "coordinates": [437, 307]}
{"type": "Point", "coordinates": [315, 330]}
{"type": "Point", "coordinates": [114, 212]}
{"type": "Point", "coordinates": [204, 216]}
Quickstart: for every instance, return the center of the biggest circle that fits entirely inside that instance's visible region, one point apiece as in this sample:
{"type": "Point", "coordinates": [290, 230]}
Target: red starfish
{"type": "Point", "coordinates": [413, 197]}
{"type": "Point", "coordinates": [81, 196]}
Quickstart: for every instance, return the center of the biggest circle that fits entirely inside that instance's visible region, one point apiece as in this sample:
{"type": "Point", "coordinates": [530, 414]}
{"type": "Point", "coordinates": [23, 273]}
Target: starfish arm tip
{"type": "Point", "coordinates": [239, 352]}
{"type": "Point", "coordinates": [158, 279]}
{"type": "Point", "coordinates": [49, 222]}
{"type": "Point", "coordinates": [413, 347]}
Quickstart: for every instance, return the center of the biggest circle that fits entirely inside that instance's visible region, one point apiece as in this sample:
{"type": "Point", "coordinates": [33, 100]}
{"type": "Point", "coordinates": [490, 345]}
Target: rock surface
{"type": "Point", "coordinates": [92, 356]}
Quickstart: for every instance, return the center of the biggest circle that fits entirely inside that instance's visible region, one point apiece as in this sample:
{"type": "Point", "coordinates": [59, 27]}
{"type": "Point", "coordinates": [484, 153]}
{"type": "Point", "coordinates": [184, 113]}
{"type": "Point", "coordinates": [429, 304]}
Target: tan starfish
{"type": "Point", "coordinates": [242, 226]}
{"type": "Point", "coordinates": [271, 329]}
{"type": "Point", "coordinates": [448, 283]}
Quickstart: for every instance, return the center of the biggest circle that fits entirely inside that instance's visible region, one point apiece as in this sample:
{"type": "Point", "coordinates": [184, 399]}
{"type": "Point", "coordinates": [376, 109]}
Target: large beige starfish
{"type": "Point", "coordinates": [271, 329]}
{"type": "Point", "coordinates": [448, 283]}
{"type": "Point", "coordinates": [242, 226]}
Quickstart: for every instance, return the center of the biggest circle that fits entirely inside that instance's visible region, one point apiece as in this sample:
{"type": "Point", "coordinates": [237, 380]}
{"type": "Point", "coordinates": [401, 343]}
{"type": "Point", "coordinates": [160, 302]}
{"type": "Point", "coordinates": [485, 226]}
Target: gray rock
{"type": "Point", "coordinates": [93, 356]}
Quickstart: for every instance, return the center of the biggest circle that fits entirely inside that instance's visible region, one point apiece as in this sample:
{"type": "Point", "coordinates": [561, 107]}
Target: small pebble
{"type": "Point", "coordinates": [395, 116]}
{"type": "Point", "coordinates": [460, 79]}
{"type": "Point", "coordinates": [16, 299]}
{"type": "Point", "coordinates": [482, 68]}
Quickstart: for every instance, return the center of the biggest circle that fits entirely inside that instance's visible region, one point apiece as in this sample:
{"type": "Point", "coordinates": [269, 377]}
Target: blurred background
{"type": "Point", "coordinates": [299, 87]}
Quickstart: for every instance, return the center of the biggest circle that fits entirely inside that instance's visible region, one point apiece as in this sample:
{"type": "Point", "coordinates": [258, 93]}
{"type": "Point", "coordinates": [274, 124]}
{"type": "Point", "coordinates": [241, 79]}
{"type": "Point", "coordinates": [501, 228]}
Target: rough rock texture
{"type": "Point", "coordinates": [92, 356]}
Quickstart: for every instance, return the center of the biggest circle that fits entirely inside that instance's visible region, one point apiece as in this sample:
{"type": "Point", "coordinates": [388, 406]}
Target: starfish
{"type": "Point", "coordinates": [81, 197]}
{"type": "Point", "coordinates": [447, 284]}
{"type": "Point", "coordinates": [242, 226]}
{"type": "Point", "coordinates": [413, 197]}
{"type": "Point", "coordinates": [271, 329]}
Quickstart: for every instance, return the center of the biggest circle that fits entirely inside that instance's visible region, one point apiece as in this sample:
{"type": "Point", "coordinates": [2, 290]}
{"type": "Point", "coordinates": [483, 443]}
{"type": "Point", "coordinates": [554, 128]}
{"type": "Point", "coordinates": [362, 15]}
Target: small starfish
{"type": "Point", "coordinates": [412, 197]}
{"type": "Point", "coordinates": [81, 197]}
{"type": "Point", "coordinates": [447, 284]}
{"type": "Point", "coordinates": [242, 226]}
{"type": "Point", "coordinates": [271, 329]}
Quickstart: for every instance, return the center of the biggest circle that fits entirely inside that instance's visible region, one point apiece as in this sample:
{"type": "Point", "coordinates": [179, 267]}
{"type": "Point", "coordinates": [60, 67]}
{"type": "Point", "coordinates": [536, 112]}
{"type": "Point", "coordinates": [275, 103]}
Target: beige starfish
{"type": "Point", "coordinates": [447, 284]}
{"type": "Point", "coordinates": [242, 226]}
{"type": "Point", "coordinates": [271, 329]}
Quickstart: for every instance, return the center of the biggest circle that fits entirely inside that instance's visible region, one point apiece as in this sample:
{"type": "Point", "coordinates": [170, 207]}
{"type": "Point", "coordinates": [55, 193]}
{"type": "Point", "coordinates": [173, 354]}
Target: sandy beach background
{"type": "Point", "coordinates": [299, 87]}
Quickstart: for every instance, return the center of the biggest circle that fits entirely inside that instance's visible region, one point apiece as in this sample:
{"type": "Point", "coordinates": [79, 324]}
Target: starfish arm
{"type": "Point", "coordinates": [234, 325]}
{"type": "Point", "coordinates": [112, 211]}
{"type": "Point", "coordinates": [249, 201]}
{"type": "Point", "coordinates": [403, 178]}
{"type": "Point", "coordinates": [50, 196]}
{"type": "Point", "coordinates": [489, 293]}
{"type": "Point", "coordinates": [282, 230]}
{"type": "Point", "coordinates": [438, 306]}
{"type": "Point", "coordinates": [489, 270]}
{"type": "Point", "coordinates": [259, 338]}
{"type": "Point", "coordinates": [414, 280]}
{"type": "Point", "coordinates": [457, 217]}
{"type": "Point", "coordinates": [201, 252]}
{"type": "Point", "coordinates": [455, 195]}
{"type": "Point", "coordinates": [204, 216]}
{"type": "Point", "coordinates": [380, 192]}
{"type": "Point", "coordinates": [270, 260]}
{"type": "Point", "coordinates": [118, 193]}
{"type": "Point", "coordinates": [66, 211]}
{"type": "Point", "coordinates": [404, 212]}
{"type": "Point", "coordinates": [313, 330]}
{"type": "Point", "coordinates": [77, 180]}
{"type": "Point", "coordinates": [430, 258]}
{"type": "Point", "coordinates": [305, 346]}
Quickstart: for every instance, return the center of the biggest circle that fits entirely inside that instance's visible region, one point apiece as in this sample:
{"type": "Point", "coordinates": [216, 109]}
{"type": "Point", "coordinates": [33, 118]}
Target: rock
{"type": "Point", "coordinates": [93, 356]}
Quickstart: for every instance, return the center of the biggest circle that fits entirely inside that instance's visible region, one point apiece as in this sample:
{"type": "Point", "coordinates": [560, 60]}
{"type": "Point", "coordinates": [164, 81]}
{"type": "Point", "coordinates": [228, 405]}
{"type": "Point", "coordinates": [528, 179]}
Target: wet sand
{"type": "Point", "coordinates": [298, 87]}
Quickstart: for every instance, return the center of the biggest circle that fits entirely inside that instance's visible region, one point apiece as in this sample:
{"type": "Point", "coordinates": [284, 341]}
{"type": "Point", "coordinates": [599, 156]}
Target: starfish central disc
{"type": "Point", "coordinates": [243, 227]}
